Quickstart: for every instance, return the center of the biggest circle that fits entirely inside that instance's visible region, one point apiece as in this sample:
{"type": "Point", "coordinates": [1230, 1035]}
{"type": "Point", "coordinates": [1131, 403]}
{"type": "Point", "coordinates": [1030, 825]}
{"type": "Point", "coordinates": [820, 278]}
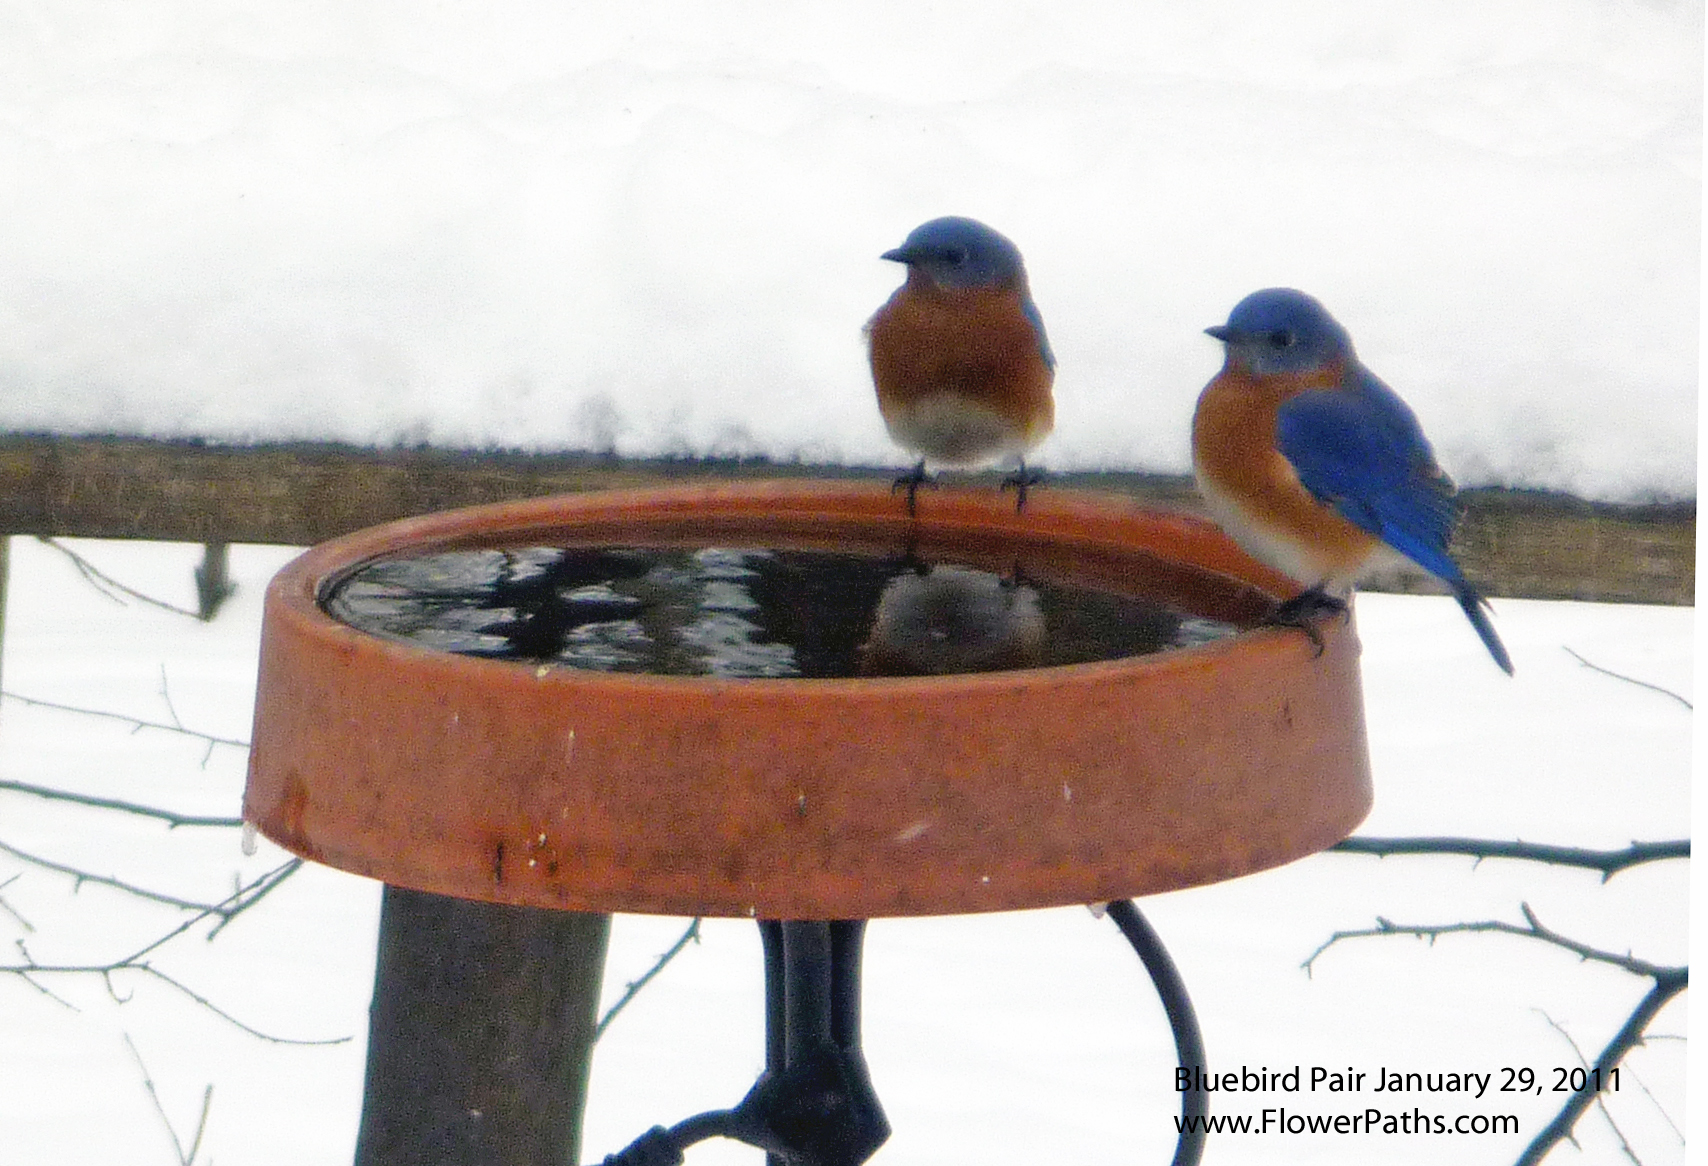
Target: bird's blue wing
{"type": "Point", "coordinates": [1358, 448]}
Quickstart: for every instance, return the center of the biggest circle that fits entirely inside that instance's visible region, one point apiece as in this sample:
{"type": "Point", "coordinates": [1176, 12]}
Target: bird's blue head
{"type": "Point", "coordinates": [1279, 330]}
{"type": "Point", "coordinates": [960, 253]}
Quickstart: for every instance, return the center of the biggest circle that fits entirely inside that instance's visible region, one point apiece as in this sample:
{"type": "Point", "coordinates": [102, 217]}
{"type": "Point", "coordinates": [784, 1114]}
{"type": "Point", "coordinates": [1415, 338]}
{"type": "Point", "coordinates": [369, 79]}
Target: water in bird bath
{"type": "Point", "coordinates": [752, 612]}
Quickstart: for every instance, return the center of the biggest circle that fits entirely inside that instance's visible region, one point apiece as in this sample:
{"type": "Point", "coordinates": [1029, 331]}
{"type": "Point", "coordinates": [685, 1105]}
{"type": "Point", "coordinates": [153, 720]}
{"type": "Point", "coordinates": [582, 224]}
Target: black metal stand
{"type": "Point", "coordinates": [1188, 1042]}
{"type": "Point", "coordinates": [814, 1105]}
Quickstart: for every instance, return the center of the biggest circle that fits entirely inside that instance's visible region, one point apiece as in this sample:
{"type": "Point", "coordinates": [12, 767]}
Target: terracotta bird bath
{"type": "Point", "coordinates": [817, 799]}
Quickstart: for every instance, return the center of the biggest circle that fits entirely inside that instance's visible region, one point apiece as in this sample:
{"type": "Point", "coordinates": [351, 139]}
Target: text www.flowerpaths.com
{"type": "Point", "coordinates": [1370, 1121]}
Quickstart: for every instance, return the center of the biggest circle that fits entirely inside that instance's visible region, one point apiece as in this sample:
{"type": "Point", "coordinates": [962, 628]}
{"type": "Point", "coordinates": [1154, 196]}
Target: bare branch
{"type": "Point", "coordinates": [1669, 983]}
{"type": "Point", "coordinates": [1533, 929]}
{"type": "Point", "coordinates": [109, 586]}
{"type": "Point", "coordinates": [135, 964]}
{"type": "Point", "coordinates": [29, 928]}
{"type": "Point", "coordinates": [166, 698]}
{"type": "Point", "coordinates": [631, 990]}
{"type": "Point", "coordinates": [148, 1084]}
{"type": "Point", "coordinates": [1600, 1102]}
{"type": "Point", "coordinates": [1648, 1039]}
{"type": "Point", "coordinates": [150, 969]}
{"type": "Point", "coordinates": [255, 891]}
{"type": "Point", "coordinates": [136, 723]}
{"type": "Point", "coordinates": [1608, 862]}
{"type": "Point", "coordinates": [1629, 679]}
{"type": "Point", "coordinates": [172, 818]}
{"type": "Point", "coordinates": [202, 1122]}
{"type": "Point", "coordinates": [240, 900]}
{"type": "Point", "coordinates": [45, 991]}
{"type": "Point", "coordinates": [83, 876]}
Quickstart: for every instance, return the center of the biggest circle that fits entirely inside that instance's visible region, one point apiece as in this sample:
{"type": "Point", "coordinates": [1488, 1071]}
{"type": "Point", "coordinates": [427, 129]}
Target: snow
{"type": "Point", "coordinates": [656, 227]}
{"type": "Point", "coordinates": [1002, 1038]}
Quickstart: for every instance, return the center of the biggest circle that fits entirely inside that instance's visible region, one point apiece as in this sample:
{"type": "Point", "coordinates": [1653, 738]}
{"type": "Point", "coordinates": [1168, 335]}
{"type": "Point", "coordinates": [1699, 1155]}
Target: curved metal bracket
{"type": "Point", "coordinates": [1188, 1041]}
{"type": "Point", "coordinates": [814, 1105]}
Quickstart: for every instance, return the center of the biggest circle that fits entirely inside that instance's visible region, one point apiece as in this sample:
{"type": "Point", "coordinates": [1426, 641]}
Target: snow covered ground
{"type": "Point", "coordinates": [657, 226]}
{"type": "Point", "coordinates": [999, 1039]}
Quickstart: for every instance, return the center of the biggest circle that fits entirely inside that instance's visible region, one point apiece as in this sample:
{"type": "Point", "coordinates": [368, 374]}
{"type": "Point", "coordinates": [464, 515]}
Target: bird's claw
{"type": "Point", "coordinates": [911, 482]}
{"type": "Point", "coordinates": [1020, 481]}
{"type": "Point", "coordinates": [1302, 612]}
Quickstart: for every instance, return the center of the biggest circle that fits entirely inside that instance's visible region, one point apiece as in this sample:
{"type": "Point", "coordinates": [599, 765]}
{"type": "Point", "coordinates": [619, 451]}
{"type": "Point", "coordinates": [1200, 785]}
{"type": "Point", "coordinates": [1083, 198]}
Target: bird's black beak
{"type": "Point", "coordinates": [898, 255]}
{"type": "Point", "coordinates": [1221, 332]}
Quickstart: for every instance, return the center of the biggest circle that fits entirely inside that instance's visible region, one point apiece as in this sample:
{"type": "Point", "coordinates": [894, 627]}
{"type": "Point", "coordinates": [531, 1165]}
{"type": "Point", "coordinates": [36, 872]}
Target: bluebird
{"type": "Point", "coordinates": [959, 356]}
{"type": "Point", "coordinates": [1316, 467]}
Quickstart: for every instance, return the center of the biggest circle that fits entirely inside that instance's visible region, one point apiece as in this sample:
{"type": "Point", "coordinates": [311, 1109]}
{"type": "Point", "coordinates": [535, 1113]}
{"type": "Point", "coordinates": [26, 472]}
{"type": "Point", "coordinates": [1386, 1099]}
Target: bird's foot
{"type": "Point", "coordinates": [1303, 610]}
{"type": "Point", "coordinates": [911, 482]}
{"type": "Point", "coordinates": [1020, 481]}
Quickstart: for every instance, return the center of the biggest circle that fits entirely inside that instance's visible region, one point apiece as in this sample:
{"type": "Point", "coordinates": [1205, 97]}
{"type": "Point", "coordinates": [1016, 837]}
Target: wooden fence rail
{"type": "Point", "coordinates": [1513, 543]}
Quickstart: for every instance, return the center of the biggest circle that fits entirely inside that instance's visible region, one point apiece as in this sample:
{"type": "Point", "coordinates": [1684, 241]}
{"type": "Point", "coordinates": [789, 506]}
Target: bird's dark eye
{"type": "Point", "coordinates": [955, 256]}
{"type": "Point", "coordinates": [1281, 338]}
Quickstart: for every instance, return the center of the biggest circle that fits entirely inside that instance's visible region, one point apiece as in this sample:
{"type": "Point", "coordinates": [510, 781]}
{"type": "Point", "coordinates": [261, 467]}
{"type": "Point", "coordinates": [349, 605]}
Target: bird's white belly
{"type": "Point", "coordinates": [949, 430]}
{"type": "Point", "coordinates": [1285, 552]}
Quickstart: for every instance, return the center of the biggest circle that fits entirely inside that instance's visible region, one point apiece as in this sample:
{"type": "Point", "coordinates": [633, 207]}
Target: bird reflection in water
{"type": "Point", "coordinates": [950, 620]}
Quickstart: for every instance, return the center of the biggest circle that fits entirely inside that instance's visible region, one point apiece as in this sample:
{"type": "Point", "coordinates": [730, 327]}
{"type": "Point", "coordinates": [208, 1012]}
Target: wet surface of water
{"type": "Point", "coordinates": [750, 612]}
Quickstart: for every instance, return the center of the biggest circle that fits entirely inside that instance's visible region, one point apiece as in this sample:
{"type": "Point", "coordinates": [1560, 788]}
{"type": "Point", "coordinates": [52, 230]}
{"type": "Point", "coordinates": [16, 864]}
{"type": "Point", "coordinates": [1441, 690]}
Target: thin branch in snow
{"type": "Point", "coordinates": [172, 818]}
{"type": "Point", "coordinates": [48, 992]}
{"type": "Point", "coordinates": [83, 876]}
{"type": "Point", "coordinates": [136, 723]}
{"type": "Point", "coordinates": [1666, 986]}
{"type": "Point", "coordinates": [1533, 929]}
{"type": "Point", "coordinates": [226, 909]}
{"type": "Point", "coordinates": [134, 962]}
{"type": "Point", "coordinates": [1600, 1102]}
{"type": "Point", "coordinates": [109, 586]}
{"type": "Point", "coordinates": [29, 928]}
{"type": "Point", "coordinates": [1628, 679]}
{"type": "Point", "coordinates": [1648, 1038]}
{"type": "Point", "coordinates": [184, 1159]}
{"type": "Point", "coordinates": [632, 989]}
{"type": "Point", "coordinates": [1608, 862]}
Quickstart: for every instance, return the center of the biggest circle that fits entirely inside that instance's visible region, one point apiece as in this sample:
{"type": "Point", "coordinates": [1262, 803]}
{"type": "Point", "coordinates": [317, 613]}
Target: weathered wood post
{"type": "Point", "coordinates": [480, 1034]}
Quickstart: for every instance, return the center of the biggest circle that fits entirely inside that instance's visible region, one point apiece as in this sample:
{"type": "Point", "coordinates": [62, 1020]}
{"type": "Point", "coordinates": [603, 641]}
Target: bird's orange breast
{"type": "Point", "coordinates": [976, 344]}
{"type": "Point", "coordinates": [1235, 458]}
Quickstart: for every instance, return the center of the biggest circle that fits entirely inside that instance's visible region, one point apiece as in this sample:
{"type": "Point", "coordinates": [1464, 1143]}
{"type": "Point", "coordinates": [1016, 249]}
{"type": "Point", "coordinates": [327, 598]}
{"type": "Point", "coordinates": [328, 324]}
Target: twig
{"type": "Point", "coordinates": [259, 889]}
{"type": "Point", "coordinates": [1669, 982]}
{"type": "Point", "coordinates": [1608, 862]}
{"type": "Point", "coordinates": [166, 697]}
{"type": "Point", "coordinates": [29, 928]}
{"type": "Point", "coordinates": [631, 990]}
{"type": "Point", "coordinates": [172, 818]}
{"type": "Point", "coordinates": [1600, 1102]}
{"type": "Point", "coordinates": [1629, 679]}
{"type": "Point", "coordinates": [201, 1126]}
{"type": "Point", "coordinates": [83, 876]}
{"type": "Point", "coordinates": [235, 903]}
{"type": "Point", "coordinates": [107, 585]}
{"type": "Point", "coordinates": [51, 995]}
{"type": "Point", "coordinates": [1533, 929]}
{"type": "Point", "coordinates": [136, 723]}
{"type": "Point", "coordinates": [1650, 1038]}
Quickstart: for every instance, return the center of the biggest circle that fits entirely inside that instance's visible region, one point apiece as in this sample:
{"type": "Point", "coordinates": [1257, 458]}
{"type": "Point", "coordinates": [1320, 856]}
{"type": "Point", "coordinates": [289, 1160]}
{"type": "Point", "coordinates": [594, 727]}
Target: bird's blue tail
{"type": "Point", "coordinates": [1476, 610]}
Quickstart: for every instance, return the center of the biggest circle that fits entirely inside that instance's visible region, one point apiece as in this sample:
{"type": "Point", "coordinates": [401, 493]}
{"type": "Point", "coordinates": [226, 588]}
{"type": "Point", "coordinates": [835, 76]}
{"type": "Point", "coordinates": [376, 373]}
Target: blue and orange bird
{"type": "Point", "coordinates": [959, 356]}
{"type": "Point", "coordinates": [1316, 467]}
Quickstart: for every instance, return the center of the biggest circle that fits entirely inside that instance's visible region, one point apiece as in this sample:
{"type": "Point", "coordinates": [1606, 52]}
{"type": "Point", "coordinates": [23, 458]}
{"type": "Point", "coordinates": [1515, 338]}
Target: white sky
{"type": "Point", "coordinates": [549, 226]}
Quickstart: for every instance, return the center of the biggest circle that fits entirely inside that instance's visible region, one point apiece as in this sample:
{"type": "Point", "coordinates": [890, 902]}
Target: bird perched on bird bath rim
{"type": "Point", "coordinates": [1316, 467]}
{"type": "Point", "coordinates": [959, 356]}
